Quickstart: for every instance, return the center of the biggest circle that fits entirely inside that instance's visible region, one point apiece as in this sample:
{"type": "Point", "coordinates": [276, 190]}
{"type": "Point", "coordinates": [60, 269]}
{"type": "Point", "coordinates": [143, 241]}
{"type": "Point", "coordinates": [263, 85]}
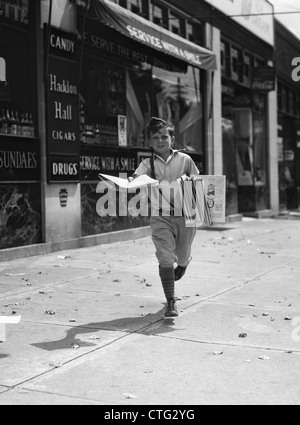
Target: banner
{"type": "Point", "coordinates": [146, 32]}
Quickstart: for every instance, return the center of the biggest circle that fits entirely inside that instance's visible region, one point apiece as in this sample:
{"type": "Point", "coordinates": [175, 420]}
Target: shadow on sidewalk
{"type": "Point", "coordinates": [128, 325]}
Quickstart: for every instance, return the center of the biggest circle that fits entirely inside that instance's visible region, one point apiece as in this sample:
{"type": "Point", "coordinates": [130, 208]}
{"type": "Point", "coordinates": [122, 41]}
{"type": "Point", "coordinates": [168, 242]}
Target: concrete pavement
{"type": "Point", "coordinates": [92, 330]}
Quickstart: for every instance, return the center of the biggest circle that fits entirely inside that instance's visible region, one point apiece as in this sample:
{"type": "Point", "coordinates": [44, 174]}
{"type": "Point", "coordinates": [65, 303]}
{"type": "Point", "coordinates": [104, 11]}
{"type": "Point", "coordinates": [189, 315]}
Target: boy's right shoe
{"type": "Point", "coordinates": [171, 310]}
{"type": "Point", "coordinates": [179, 272]}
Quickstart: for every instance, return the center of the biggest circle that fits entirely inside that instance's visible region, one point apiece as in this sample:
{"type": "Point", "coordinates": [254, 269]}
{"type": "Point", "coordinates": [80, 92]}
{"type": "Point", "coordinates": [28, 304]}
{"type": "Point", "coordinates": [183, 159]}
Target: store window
{"type": "Point", "coordinates": [111, 91]}
{"type": "Point", "coordinates": [244, 145]}
{"type": "Point", "coordinates": [223, 55]}
{"type": "Point", "coordinates": [194, 32]}
{"type": "Point", "coordinates": [159, 15]}
{"type": "Point", "coordinates": [177, 24]}
{"type": "Point", "coordinates": [102, 100]}
{"type": "Point", "coordinates": [177, 99]}
{"type": "Point", "coordinates": [140, 7]}
{"type": "Point", "coordinates": [292, 103]}
{"type": "Point", "coordinates": [247, 69]}
{"type": "Point", "coordinates": [298, 105]}
{"type": "Point", "coordinates": [135, 6]}
{"type": "Point", "coordinates": [260, 138]}
{"type": "Point", "coordinates": [279, 96]}
{"type": "Point", "coordinates": [173, 96]}
{"type": "Point", "coordinates": [225, 59]}
{"type": "Point", "coordinates": [20, 195]}
{"type": "Point", "coordinates": [284, 99]}
{"type": "Point", "coordinates": [17, 94]}
{"type": "Point", "coordinates": [236, 64]}
{"type": "Point", "coordinates": [229, 160]}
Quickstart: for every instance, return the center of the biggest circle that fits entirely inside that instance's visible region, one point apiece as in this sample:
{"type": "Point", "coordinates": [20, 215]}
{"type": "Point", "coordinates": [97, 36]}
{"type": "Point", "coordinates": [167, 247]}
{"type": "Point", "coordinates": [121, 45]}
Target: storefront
{"type": "Point", "coordinates": [288, 119]}
{"type": "Point", "coordinates": [245, 132]}
{"type": "Point", "coordinates": [20, 188]}
{"type": "Point", "coordinates": [248, 79]}
{"type": "Point", "coordinates": [131, 69]}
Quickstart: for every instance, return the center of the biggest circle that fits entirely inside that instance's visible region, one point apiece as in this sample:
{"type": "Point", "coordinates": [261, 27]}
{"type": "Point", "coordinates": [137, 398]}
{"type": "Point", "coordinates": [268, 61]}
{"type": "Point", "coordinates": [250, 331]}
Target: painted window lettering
{"type": "Point", "coordinates": [63, 86]}
{"type": "Point", "coordinates": [64, 169]}
{"type": "Point", "coordinates": [63, 44]}
{"type": "Point", "coordinates": [18, 160]}
{"type": "Point", "coordinates": [63, 136]}
{"type": "Point", "coordinates": [14, 12]}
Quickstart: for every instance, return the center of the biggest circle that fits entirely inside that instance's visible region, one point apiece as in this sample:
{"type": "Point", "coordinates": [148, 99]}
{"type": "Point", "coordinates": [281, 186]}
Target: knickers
{"type": "Point", "coordinates": [172, 240]}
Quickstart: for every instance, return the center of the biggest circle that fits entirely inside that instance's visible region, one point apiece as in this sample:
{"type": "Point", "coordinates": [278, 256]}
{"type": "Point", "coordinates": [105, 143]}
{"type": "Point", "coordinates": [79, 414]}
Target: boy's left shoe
{"type": "Point", "coordinates": [179, 272]}
{"type": "Point", "coordinates": [171, 310]}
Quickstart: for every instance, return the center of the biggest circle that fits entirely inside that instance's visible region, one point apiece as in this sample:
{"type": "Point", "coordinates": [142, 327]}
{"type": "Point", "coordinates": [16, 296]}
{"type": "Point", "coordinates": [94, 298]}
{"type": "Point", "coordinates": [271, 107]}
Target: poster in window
{"type": "Point", "coordinates": [122, 130]}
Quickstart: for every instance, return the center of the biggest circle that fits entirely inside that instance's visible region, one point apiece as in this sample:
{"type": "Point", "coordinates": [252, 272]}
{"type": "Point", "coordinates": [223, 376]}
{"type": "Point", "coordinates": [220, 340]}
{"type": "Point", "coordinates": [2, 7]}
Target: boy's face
{"type": "Point", "coordinates": [161, 142]}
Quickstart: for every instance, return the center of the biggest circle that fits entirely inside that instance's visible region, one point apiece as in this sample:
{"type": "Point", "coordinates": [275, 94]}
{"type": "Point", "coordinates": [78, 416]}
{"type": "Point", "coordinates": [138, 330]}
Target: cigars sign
{"type": "Point", "coordinates": [62, 107]}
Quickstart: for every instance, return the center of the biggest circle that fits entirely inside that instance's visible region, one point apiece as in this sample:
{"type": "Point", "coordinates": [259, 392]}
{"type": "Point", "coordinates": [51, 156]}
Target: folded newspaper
{"type": "Point", "coordinates": [203, 201]}
{"type": "Point", "coordinates": [140, 181]}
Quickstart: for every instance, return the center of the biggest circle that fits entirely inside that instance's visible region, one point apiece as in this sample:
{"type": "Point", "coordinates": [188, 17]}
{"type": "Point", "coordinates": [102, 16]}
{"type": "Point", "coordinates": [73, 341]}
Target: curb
{"type": "Point", "coordinates": [84, 242]}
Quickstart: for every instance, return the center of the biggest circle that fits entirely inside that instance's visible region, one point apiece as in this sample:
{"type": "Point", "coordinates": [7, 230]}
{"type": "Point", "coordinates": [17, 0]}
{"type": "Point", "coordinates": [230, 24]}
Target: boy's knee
{"type": "Point", "coordinates": [166, 265]}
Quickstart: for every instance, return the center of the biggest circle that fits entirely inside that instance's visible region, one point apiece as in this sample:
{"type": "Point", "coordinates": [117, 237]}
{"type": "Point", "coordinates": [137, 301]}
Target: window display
{"type": "Point", "coordinates": [20, 165]}
{"type": "Point", "coordinates": [259, 139]}
{"type": "Point", "coordinates": [177, 99]}
{"type": "Point", "coordinates": [109, 92]}
{"type": "Point", "coordinates": [102, 101]}
{"type": "Point", "coordinates": [244, 145]}
{"type": "Point", "coordinates": [17, 94]}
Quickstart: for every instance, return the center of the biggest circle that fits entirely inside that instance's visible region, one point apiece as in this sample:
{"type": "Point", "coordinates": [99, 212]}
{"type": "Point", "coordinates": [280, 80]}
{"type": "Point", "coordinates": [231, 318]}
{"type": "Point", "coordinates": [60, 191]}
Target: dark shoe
{"type": "Point", "coordinates": [179, 272]}
{"type": "Point", "coordinates": [171, 310]}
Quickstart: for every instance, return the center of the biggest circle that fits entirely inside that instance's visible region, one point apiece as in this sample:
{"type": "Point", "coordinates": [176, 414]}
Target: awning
{"type": "Point", "coordinates": [146, 32]}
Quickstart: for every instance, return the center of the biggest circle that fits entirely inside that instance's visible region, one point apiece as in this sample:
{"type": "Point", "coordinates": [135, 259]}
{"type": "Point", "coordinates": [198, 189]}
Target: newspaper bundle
{"type": "Point", "coordinates": [204, 201]}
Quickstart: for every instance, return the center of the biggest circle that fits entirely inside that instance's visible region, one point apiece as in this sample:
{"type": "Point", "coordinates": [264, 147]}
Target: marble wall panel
{"type": "Point", "coordinates": [20, 215]}
{"type": "Point", "coordinates": [93, 224]}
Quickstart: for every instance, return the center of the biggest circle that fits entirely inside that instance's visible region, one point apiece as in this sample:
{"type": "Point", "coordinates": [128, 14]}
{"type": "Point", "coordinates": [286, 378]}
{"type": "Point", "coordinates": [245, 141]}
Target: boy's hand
{"type": "Point", "coordinates": [196, 178]}
{"type": "Point", "coordinates": [130, 179]}
{"type": "Point", "coordinates": [185, 178]}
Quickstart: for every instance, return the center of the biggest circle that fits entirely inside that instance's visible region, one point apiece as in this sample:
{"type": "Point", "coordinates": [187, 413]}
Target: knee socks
{"type": "Point", "coordinates": [167, 277]}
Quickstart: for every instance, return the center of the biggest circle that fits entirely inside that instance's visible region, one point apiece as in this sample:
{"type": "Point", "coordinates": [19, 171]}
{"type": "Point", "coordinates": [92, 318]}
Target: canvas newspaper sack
{"type": "Point", "coordinates": [204, 200]}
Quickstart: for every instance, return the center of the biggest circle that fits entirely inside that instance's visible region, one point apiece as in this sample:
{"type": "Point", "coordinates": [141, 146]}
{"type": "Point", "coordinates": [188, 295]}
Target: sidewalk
{"type": "Point", "coordinates": [92, 330]}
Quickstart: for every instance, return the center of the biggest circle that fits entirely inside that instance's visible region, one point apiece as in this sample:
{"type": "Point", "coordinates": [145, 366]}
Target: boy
{"type": "Point", "coordinates": [172, 239]}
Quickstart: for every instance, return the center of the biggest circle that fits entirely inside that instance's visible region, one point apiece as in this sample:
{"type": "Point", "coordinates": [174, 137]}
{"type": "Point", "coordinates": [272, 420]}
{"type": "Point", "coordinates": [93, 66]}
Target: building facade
{"type": "Point", "coordinates": [94, 72]}
{"type": "Point", "coordinates": [93, 75]}
{"type": "Point", "coordinates": [288, 91]}
{"type": "Point", "coordinates": [248, 104]}
{"type": "Point", "coordinates": [133, 69]}
{"type": "Point", "coordinates": [20, 159]}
